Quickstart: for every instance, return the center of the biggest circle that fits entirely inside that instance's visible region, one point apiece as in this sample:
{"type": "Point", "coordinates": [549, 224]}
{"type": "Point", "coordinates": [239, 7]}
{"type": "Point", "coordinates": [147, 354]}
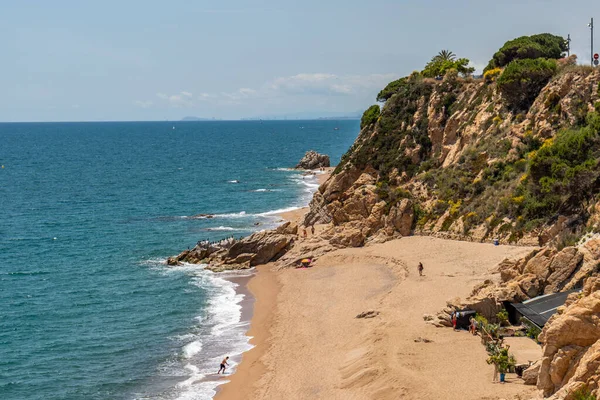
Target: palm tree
{"type": "Point", "coordinates": [445, 55]}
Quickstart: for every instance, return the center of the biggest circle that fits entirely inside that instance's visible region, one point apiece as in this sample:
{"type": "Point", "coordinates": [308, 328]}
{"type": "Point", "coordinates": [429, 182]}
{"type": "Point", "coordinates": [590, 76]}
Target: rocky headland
{"type": "Point", "coordinates": [512, 157]}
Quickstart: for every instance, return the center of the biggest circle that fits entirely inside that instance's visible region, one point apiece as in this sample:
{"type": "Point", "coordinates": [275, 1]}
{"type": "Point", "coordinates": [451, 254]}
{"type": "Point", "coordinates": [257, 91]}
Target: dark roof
{"type": "Point", "coordinates": [539, 309]}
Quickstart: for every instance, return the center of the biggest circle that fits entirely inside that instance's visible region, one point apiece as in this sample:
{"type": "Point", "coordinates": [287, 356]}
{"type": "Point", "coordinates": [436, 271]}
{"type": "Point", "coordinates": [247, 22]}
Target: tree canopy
{"type": "Point", "coordinates": [445, 55]}
{"type": "Point", "coordinates": [370, 116]}
{"type": "Point", "coordinates": [544, 45]}
{"type": "Point", "coordinates": [522, 81]}
{"type": "Point", "coordinates": [391, 88]}
{"type": "Point", "coordinates": [439, 67]}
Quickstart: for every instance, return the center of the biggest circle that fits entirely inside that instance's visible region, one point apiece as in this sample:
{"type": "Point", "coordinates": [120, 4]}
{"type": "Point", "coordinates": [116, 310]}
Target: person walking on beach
{"type": "Point", "coordinates": [420, 268]}
{"type": "Point", "coordinates": [223, 364]}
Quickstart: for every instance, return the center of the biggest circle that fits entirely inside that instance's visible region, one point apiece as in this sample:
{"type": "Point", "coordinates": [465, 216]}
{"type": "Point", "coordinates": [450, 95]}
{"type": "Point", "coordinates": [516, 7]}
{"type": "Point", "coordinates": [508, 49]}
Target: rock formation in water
{"type": "Point", "coordinates": [313, 160]}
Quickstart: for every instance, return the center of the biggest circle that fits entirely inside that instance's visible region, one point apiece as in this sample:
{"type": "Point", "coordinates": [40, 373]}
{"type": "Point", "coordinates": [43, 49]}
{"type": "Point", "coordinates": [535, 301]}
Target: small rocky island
{"type": "Point", "coordinates": [313, 160]}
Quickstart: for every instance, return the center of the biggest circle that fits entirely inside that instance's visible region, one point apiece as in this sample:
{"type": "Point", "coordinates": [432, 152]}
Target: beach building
{"type": "Point", "coordinates": [539, 309]}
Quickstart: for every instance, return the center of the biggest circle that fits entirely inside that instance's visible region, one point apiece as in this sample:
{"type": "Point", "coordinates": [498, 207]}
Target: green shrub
{"type": "Point", "coordinates": [502, 316]}
{"type": "Point", "coordinates": [583, 394]}
{"type": "Point", "coordinates": [532, 331]}
{"type": "Point", "coordinates": [391, 89]}
{"type": "Point", "coordinates": [398, 133]}
{"type": "Point", "coordinates": [370, 116]}
{"type": "Point", "coordinates": [502, 359]}
{"type": "Point", "coordinates": [563, 172]}
{"type": "Point", "coordinates": [522, 81]}
{"type": "Point", "coordinates": [543, 45]}
{"type": "Point", "coordinates": [439, 67]}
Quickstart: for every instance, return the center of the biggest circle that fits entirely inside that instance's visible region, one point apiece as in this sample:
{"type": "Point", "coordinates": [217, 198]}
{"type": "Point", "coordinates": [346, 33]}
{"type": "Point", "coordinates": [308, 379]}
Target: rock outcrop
{"type": "Point", "coordinates": [259, 248]}
{"type": "Point", "coordinates": [571, 339]}
{"type": "Point", "coordinates": [313, 160]}
{"type": "Point", "coordinates": [448, 147]}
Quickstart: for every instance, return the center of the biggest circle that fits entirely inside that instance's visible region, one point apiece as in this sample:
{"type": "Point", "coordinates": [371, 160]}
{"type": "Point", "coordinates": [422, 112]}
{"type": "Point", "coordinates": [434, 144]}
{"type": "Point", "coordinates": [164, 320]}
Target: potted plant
{"type": "Point", "coordinates": [502, 361]}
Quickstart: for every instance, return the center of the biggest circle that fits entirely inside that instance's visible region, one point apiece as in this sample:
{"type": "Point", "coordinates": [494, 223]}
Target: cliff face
{"type": "Point", "coordinates": [450, 158]}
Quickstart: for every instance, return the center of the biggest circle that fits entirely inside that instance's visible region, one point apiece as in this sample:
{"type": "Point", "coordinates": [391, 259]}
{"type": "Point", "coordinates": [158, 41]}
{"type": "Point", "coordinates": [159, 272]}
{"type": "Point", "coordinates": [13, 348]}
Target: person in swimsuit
{"type": "Point", "coordinates": [420, 268]}
{"type": "Point", "coordinates": [223, 364]}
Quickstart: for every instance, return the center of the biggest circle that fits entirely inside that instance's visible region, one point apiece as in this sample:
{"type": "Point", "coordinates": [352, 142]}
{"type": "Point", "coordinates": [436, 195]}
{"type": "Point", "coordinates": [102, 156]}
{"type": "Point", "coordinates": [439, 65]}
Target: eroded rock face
{"type": "Point", "coordinates": [313, 160]}
{"type": "Point", "coordinates": [571, 340]}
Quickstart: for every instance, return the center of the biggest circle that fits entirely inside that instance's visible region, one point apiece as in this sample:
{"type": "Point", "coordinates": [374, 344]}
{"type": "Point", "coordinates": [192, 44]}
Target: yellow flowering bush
{"type": "Point", "coordinates": [492, 74]}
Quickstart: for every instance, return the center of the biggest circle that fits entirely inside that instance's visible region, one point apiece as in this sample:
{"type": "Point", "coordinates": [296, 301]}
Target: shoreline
{"type": "Point", "coordinates": [259, 312]}
{"type": "Point", "coordinates": [250, 368]}
{"type": "Point", "coordinates": [302, 315]}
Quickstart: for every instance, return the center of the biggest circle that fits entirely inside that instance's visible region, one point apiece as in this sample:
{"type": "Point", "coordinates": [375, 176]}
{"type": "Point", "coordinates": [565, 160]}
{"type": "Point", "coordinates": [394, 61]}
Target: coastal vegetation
{"type": "Point", "coordinates": [505, 155]}
{"type": "Point", "coordinates": [523, 79]}
{"type": "Point", "coordinates": [544, 45]}
{"type": "Point", "coordinates": [370, 116]}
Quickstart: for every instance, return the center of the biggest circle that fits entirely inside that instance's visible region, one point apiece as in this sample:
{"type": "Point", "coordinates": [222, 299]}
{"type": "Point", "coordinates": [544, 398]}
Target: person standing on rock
{"type": "Point", "coordinates": [420, 268]}
{"type": "Point", "coordinates": [304, 232]}
{"type": "Point", "coordinates": [223, 364]}
{"type": "Point", "coordinates": [312, 230]}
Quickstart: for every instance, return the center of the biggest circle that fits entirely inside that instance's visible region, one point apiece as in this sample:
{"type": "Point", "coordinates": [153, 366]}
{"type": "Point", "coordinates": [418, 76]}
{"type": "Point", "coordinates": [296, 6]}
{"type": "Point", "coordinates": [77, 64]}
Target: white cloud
{"type": "Point", "coordinates": [329, 84]}
{"type": "Point", "coordinates": [143, 104]}
{"type": "Point", "coordinates": [181, 99]}
{"type": "Point", "coordinates": [320, 87]}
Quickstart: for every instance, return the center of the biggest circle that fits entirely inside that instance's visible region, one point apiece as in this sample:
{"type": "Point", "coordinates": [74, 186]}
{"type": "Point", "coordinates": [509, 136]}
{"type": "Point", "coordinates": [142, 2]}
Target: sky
{"type": "Point", "coordinates": [164, 60]}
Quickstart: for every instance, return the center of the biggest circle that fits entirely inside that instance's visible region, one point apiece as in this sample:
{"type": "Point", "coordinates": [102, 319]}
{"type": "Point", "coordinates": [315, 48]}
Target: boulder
{"type": "Point", "coordinates": [265, 245]}
{"type": "Point", "coordinates": [348, 237]}
{"type": "Point", "coordinates": [571, 352]}
{"type": "Point", "coordinates": [530, 375]}
{"type": "Point", "coordinates": [563, 265]}
{"type": "Point", "coordinates": [539, 264]}
{"type": "Point", "coordinates": [313, 160]}
{"type": "Point", "coordinates": [401, 217]}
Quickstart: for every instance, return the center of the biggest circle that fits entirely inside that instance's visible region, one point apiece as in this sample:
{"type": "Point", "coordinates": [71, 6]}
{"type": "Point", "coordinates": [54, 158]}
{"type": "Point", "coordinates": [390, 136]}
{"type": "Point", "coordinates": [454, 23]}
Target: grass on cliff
{"type": "Point", "coordinates": [563, 174]}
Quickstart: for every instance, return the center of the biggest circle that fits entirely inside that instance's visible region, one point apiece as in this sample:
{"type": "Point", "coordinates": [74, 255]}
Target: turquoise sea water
{"type": "Point", "coordinates": [90, 211]}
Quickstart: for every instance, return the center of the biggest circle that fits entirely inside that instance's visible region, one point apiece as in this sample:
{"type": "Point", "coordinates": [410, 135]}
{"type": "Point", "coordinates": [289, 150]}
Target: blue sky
{"type": "Point", "coordinates": [156, 60]}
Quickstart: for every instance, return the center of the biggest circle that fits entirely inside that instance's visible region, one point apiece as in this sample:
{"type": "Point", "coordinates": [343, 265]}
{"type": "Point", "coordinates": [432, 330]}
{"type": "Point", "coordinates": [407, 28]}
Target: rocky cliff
{"type": "Point", "coordinates": [470, 166]}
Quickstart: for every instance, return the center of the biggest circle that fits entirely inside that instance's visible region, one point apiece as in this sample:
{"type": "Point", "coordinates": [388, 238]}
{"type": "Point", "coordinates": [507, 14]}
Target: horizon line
{"type": "Point", "coordinates": [185, 121]}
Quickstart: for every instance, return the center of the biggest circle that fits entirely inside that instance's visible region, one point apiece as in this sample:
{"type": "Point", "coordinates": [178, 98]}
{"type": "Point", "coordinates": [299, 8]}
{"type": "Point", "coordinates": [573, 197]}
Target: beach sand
{"type": "Point", "coordinates": [310, 345]}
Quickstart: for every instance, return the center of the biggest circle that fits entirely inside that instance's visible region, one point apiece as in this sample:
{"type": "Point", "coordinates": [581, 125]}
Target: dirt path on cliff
{"type": "Point", "coordinates": [314, 347]}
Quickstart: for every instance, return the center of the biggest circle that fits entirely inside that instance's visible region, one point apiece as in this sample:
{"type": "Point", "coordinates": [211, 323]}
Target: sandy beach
{"type": "Point", "coordinates": [310, 345]}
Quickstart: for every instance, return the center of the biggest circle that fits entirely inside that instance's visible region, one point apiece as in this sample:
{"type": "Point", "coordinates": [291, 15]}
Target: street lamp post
{"type": "Point", "coordinates": [591, 25]}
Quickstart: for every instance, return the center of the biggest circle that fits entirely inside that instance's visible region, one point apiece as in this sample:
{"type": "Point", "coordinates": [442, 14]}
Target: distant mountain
{"type": "Point", "coordinates": [196, 119]}
{"type": "Point", "coordinates": [310, 115]}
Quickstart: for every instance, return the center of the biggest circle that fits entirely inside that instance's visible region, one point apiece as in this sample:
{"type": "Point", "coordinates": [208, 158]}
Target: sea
{"type": "Point", "coordinates": [89, 214]}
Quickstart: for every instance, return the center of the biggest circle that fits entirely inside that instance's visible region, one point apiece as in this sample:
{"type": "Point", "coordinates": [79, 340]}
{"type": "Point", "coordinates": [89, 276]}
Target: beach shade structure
{"type": "Point", "coordinates": [305, 262]}
{"type": "Point", "coordinates": [539, 309]}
